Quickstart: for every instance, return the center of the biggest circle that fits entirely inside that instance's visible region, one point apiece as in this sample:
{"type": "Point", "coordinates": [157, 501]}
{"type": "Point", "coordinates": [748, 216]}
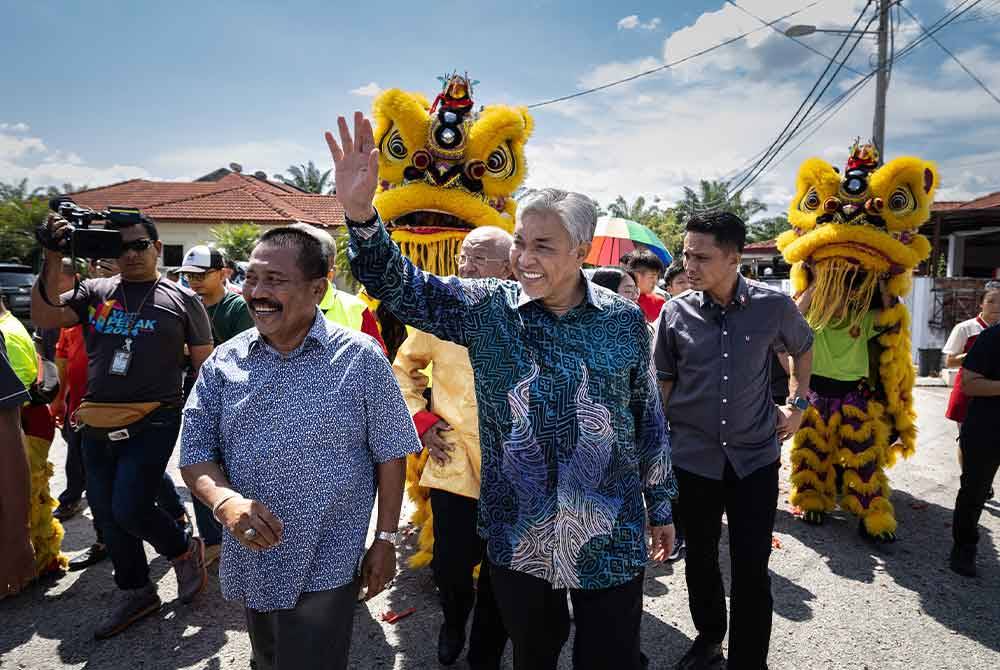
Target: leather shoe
{"type": "Point", "coordinates": [963, 560]}
{"type": "Point", "coordinates": [450, 644]}
{"type": "Point", "coordinates": [702, 657]}
{"type": "Point", "coordinates": [95, 554]}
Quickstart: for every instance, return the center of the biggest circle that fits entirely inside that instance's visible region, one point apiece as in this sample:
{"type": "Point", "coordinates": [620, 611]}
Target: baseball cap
{"type": "Point", "coordinates": [202, 258]}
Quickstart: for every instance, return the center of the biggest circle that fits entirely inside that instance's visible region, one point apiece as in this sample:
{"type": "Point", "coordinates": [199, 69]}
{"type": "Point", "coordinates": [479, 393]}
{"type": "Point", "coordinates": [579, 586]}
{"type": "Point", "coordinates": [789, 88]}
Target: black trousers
{"type": "Point", "coordinates": [980, 461]}
{"type": "Point", "coordinates": [457, 550]}
{"type": "Point", "coordinates": [314, 635]}
{"type": "Point", "coordinates": [750, 504]}
{"type": "Point", "coordinates": [537, 618]}
{"type": "Point", "coordinates": [76, 480]}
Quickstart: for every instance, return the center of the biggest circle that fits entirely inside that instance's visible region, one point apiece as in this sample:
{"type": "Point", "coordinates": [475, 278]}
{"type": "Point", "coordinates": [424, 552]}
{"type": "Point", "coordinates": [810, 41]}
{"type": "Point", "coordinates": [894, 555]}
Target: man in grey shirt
{"type": "Point", "coordinates": [713, 359]}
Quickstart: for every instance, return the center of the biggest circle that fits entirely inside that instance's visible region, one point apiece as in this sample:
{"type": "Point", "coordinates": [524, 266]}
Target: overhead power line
{"type": "Point", "coordinates": [953, 57]}
{"type": "Point", "coordinates": [667, 66]}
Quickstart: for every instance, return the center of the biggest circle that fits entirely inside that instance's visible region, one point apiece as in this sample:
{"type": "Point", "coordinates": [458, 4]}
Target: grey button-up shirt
{"type": "Point", "coordinates": [719, 360]}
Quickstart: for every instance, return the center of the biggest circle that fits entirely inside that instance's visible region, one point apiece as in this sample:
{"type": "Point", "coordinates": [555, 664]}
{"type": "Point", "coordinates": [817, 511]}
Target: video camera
{"type": "Point", "coordinates": [80, 240]}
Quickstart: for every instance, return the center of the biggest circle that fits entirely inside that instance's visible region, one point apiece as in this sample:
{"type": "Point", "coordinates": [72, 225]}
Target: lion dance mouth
{"type": "Point", "coordinates": [446, 168]}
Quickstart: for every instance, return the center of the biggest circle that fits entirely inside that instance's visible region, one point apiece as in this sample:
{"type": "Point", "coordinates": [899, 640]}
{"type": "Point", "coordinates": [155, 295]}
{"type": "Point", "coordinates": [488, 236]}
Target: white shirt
{"type": "Point", "coordinates": [960, 335]}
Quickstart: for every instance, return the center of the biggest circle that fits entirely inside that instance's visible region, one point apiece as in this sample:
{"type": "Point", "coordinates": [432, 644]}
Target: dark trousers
{"type": "Point", "coordinates": [980, 461]}
{"type": "Point", "coordinates": [123, 481]}
{"type": "Point", "coordinates": [537, 619]}
{"type": "Point", "coordinates": [76, 480]}
{"type": "Point", "coordinates": [750, 504]}
{"type": "Point", "coordinates": [209, 529]}
{"type": "Point", "coordinates": [457, 550]}
{"type": "Point", "coordinates": [314, 635]}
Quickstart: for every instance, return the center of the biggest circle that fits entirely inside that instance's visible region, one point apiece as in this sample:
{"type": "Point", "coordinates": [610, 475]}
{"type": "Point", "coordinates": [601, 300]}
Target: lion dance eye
{"type": "Point", "coordinates": [500, 163]}
{"type": "Point", "coordinates": [395, 146]}
{"type": "Point", "coordinates": [810, 203]}
{"type": "Point", "coordinates": [901, 200]}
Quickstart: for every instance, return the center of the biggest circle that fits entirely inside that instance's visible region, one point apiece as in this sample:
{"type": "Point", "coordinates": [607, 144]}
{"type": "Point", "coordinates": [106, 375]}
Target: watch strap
{"type": "Point", "coordinates": [361, 224]}
{"type": "Point", "coordinates": [386, 536]}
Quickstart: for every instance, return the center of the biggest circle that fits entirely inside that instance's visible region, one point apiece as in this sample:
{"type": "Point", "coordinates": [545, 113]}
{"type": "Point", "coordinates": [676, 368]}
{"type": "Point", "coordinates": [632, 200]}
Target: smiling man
{"type": "Point", "coordinates": [570, 426]}
{"type": "Point", "coordinates": [294, 489]}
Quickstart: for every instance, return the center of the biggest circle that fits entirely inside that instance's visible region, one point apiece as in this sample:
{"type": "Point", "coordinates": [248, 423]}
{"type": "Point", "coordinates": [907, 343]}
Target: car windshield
{"type": "Point", "coordinates": [16, 278]}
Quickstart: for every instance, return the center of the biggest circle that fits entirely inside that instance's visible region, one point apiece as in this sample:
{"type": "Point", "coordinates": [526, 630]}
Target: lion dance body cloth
{"type": "Point", "coordinates": [850, 233]}
{"type": "Point", "coordinates": [444, 169]}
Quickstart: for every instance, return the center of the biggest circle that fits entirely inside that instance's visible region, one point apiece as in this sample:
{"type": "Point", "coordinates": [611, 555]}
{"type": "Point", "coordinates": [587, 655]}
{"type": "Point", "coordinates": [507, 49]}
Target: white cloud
{"type": "Point", "coordinates": [271, 157]}
{"type": "Point", "coordinates": [27, 157]}
{"type": "Point", "coordinates": [369, 90]}
{"type": "Point", "coordinates": [632, 22]}
{"type": "Point", "coordinates": [609, 72]}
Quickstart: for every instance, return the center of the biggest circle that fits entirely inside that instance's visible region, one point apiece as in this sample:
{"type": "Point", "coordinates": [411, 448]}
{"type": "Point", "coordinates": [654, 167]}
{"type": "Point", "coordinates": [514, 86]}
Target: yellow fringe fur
{"type": "Point", "coordinates": [46, 531]}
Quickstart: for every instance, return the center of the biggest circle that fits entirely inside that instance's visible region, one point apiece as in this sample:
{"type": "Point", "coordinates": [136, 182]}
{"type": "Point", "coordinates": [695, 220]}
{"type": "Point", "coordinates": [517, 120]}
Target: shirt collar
{"type": "Point", "coordinates": [741, 296]}
{"type": "Point", "coordinates": [317, 334]}
{"type": "Point", "coordinates": [589, 298]}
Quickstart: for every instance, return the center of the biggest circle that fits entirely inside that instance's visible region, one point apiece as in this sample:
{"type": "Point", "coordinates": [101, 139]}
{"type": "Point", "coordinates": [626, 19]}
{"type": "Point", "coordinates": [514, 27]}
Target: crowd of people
{"type": "Point", "coordinates": [573, 422]}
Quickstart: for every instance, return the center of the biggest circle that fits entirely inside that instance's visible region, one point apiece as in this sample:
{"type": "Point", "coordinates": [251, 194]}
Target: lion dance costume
{"type": "Point", "coordinates": [849, 231]}
{"type": "Point", "coordinates": [444, 169]}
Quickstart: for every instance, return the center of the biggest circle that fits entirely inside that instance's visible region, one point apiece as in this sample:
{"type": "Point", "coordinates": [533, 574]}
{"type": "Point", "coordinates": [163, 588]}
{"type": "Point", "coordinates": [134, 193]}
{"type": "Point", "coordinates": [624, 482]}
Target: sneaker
{"type": "Point", "coordinates": [128, 606]}
{"type": "Point", "coordinates": [963, 560]}
{"type": "Point", "coordinates": [190, 570]}
{"type": "Point", "coordinates": [702, 657]}
{"type": "Point", "coordinates": [66, 511]}
{"type": "Point", "coordinates": [212, 553]}
{"type": "Point", "coordinates": [95, 554]}
{"type": "Point", "coordinates": [678, 551]}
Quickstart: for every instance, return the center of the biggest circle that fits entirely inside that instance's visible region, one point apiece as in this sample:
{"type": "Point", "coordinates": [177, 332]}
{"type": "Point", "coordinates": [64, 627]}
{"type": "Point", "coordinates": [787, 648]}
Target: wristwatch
{"type": "Point", "coordinates": [798, 402]}
{"type": "Point", "coordinates": [386, 536]}
{"type": "Point", "coordinates": [351, 223]}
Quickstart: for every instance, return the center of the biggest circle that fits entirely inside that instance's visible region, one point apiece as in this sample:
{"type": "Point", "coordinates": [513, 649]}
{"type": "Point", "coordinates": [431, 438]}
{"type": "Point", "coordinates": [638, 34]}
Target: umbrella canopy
{"type": "Point", "coordinates": [615, 237]}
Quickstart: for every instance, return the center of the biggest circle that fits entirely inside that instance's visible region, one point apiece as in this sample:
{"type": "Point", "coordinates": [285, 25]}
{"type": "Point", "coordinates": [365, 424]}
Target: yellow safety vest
{"type": "Point", "coordinates": [342, 308]}
{"type": "Point", "coordinates": [20, 349]}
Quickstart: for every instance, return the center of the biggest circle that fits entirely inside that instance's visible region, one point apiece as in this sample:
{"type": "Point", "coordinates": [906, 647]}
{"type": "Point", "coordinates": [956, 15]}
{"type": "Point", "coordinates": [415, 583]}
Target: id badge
{"type": "Point", "coordinates": [120, 362]}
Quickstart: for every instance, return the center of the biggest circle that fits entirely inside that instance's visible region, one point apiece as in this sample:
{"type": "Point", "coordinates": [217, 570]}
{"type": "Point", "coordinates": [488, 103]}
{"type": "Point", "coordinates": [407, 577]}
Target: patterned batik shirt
{"type": "Point", "coordinates": [570, 421]}
{"type": "Point", "coordinates": [301, 433]}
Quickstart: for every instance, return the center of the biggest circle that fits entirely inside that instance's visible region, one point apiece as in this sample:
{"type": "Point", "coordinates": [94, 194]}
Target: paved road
{"type": "Point", "coordinates": [839, 603]}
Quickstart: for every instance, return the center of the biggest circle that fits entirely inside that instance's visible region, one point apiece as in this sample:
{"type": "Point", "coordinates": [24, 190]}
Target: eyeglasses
{"type": "Point", "coordinates": [197, 276]}
{"type": "Point", "coordinates": [137, 246]}
{"type": "Point", "coordinates": [476, 259]}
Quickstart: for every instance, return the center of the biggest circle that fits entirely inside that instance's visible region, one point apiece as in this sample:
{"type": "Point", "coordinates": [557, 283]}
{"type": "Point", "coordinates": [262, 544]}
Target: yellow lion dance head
{"type": "Point", "coordinates": [446, 167]}
{"type": "Point", "coordinates": [850, 230]}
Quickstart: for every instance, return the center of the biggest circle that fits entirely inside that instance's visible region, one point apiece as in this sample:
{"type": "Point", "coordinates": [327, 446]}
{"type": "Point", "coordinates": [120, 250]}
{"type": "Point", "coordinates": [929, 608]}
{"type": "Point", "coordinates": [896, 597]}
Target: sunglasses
{"type": "Point", "coordinates": [137, 246]}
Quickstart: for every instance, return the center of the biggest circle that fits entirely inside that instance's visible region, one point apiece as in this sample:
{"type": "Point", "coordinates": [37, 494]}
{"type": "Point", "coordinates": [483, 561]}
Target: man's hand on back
{"type": "Point", "coordinates": [434, 440]}
{"type": "Point", "coordinates": [355, 162]}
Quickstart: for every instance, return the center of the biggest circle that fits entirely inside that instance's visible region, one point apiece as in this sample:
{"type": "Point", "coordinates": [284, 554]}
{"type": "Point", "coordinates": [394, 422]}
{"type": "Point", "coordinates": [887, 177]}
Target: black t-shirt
{"type": "Point", "coordinates": [170, 317]}
{"type": "Point", "coordinates": [984, 358]}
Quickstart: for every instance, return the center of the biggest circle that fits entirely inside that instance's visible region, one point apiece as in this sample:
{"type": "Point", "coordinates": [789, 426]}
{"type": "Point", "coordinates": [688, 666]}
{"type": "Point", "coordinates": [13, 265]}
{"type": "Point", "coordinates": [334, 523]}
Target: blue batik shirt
{"type": "Point", "coordinates": [570, 420]}
{"type": "Point", "coordinates": [301, 433]}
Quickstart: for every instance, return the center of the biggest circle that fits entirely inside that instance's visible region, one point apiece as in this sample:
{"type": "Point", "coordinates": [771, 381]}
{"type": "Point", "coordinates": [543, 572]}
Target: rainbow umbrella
{"type": "Point", "coordinates": [615, 237]}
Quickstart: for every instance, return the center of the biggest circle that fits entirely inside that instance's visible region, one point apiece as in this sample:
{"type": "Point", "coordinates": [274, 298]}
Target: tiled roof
{"type": "Point", "coordinates": [767, 245]}
{"type": "Point", "coordinates": [983, 202]}
{"type": "Point", "coordinates": [235, 198]}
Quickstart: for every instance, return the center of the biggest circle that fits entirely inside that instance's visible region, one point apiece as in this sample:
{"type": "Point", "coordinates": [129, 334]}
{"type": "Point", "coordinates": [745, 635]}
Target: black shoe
{"type": "Point", "coordinates": [963, 560]}
{"type": "Point", "coordinates": [67, 511]}
{"type": "Point", "coordinates": [95, 554]}
{"type": "Point", "coordinates": [702, 657]}
{"type": "Point", "coordinates": [678, 551]}
{"type": "Point", "coordinates": [450, 644]}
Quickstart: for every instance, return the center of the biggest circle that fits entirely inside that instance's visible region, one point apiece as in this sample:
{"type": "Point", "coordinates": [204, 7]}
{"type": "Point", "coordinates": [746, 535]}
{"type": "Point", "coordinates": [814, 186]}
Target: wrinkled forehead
{"type": "Point", "coordinates": [273, 259]}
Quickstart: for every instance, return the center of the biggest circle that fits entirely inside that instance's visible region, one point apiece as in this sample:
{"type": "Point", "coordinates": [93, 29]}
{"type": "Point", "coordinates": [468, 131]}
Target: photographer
{"type": "Point", "coordinates": [136, 326]}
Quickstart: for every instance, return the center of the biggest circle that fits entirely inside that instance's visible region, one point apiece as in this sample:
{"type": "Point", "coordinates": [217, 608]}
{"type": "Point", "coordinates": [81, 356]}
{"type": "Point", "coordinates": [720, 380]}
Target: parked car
{"type": "Point", "coordinates": [15, 286]}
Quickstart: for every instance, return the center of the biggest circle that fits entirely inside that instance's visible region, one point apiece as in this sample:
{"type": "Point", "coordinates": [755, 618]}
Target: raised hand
{"type": "Point", "coordinates": [355, 162]}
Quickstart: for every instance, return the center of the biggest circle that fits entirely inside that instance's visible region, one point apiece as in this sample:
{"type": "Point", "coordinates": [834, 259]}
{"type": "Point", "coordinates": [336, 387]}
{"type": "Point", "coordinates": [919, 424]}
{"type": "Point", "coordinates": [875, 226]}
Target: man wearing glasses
{"type": "Point", "coordinates": [204, 269]}
{"type": "Point", "coordinates": [449, 430]}
{"type": "Point", "coordinates": [136, 325]}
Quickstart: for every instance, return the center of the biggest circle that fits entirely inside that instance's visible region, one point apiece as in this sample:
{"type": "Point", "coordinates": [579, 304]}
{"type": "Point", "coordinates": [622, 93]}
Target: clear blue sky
{"type": "Point", "coordinates": [106, 90]}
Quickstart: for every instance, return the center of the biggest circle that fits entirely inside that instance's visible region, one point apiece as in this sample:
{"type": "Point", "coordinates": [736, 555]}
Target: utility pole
{"type": "Point", "coordinates": [881, 78]}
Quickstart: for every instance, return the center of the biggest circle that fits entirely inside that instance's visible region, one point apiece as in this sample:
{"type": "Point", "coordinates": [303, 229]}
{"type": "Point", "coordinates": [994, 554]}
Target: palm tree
{"type": "Point", "coordinates": [767, 229]}
{"type": "Point", "coordinates": [715, 195]}
{"type": "Point", "coordinates": [638, 211]}
{"type": "Point", "coordinates": [65, 189]}
{"type": "Point", "coordinates": [308, 178]}
{"type": "Point", "coordinates": [18, 192]}
{"type": "Point", "coordinates": [237, 240]}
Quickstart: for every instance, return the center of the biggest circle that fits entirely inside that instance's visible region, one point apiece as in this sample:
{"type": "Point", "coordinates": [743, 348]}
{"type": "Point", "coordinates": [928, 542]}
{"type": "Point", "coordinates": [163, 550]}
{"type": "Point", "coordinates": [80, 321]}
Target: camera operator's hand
{"type": "Point", "coordinates": [58, 229]}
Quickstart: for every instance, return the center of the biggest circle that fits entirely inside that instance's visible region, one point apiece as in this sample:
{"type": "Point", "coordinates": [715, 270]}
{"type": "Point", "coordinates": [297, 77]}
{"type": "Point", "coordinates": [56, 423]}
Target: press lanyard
{"type": "Point", "coordinates": [122, 359]}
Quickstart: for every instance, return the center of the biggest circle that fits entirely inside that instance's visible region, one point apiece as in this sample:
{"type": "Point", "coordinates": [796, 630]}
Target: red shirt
{"type": "Point", "coordinates": [651, 305]}
{"type": "Point", "coordinates": [72, 347]}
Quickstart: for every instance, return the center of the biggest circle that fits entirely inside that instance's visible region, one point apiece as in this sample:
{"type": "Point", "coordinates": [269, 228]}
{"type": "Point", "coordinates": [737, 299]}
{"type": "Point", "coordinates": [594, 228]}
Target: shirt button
{"type": "Point", "coordinates": [724, 400]}
{"type": "Point", "coordinates": [725, 378]}
{"type": "Point", "coordinates": [725, 355]}
{"type": "Point", "coordinates": [725, 332]}
{"type": "Point", "coordinates": [725, 444]}
{"type": "Point", "coordinates": [723, 422]}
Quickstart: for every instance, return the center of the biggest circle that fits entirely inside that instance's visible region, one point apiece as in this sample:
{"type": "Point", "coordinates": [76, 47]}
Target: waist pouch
{"type": "Point", "coordinates": [115, 422]}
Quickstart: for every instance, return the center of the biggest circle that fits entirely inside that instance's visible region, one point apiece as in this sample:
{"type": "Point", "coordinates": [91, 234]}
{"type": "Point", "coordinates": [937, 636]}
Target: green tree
{"type": "Point", "coordinates": [65, 189]}
{"type": "Point", "coordinates": [768, 228]}
{"type": "Point", "coordinates": [18, 220]}
{"type": "Point", "coordinates": [637, 211]}
{"type": "Point", "coordinates": [237, 239]}
{"type": "Point", "coordinates": [19, 191]}
{"type": "Point", "coordinates": [308, 178]}
{"type": "Point", "coordinates": [661, 220]}
{"type": "Point", "coordinates": [715, 195]}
